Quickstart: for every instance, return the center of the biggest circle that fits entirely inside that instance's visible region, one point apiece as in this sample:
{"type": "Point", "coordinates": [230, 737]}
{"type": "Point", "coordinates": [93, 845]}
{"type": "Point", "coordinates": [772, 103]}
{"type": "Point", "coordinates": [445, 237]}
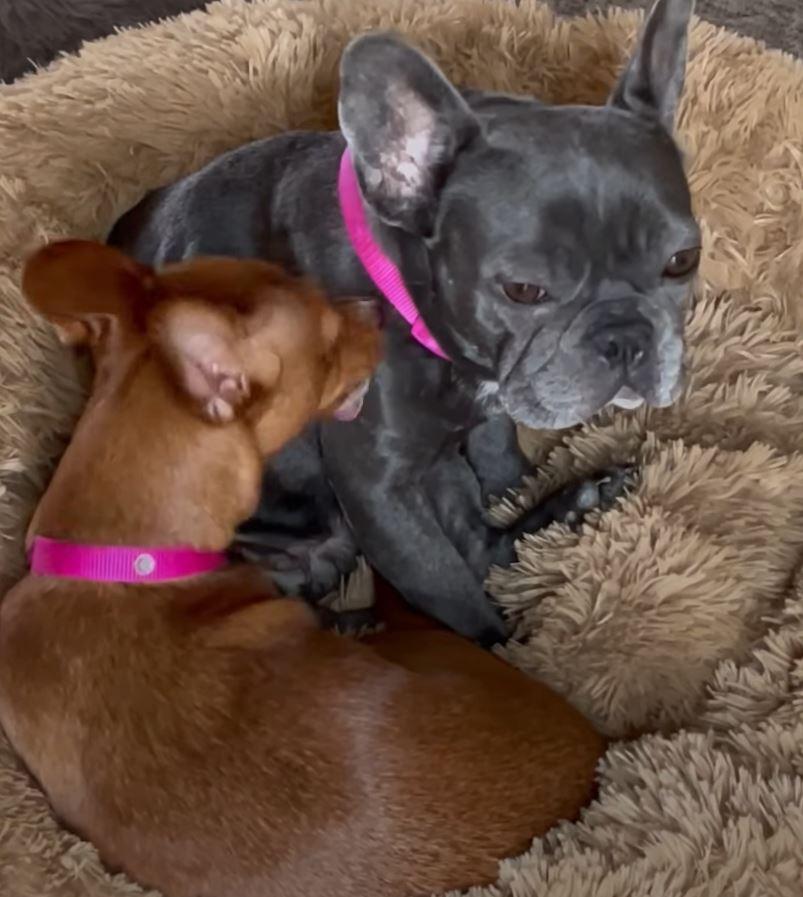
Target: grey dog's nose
{"type": "Point", "coordinates": [623, 343]}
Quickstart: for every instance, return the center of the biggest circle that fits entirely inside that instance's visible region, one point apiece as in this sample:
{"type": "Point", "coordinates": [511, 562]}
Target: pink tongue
{"type": "Point", "coordinates": [353, 404]}
{"type": "Point", "coordinates": [351, 407]}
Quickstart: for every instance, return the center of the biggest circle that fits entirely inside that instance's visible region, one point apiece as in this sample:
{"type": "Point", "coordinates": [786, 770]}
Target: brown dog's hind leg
{"type": "Point", "coordinates": [423, 645]}
{"type": "Point", "coordinates": [395, 614]}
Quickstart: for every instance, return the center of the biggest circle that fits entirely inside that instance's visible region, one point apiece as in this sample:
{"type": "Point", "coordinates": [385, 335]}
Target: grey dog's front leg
{"type": "Point", "coordinates": [493, 452]}
{"type": "Point", "coordinates": [399, 530]}
{"type": "Point", "coordinates": [409, 548]}
{"type": "Point", "coordinates": [494, 455]}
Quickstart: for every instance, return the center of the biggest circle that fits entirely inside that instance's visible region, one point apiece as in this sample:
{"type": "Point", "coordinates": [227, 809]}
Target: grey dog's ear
{"type": "Point", "coordinates": [652, 81]}
{"type": "Point", "coordinates": [404, 123]}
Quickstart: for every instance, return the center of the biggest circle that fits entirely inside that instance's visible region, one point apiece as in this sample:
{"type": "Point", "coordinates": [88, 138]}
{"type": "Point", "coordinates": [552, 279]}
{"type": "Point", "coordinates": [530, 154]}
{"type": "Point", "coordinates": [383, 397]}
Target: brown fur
{"type": "Point", "coordinates": [207, 736]}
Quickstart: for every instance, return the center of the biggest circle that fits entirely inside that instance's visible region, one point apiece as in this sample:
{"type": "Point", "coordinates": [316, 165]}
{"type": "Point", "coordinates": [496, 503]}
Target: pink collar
{"type": "Point", "coordinates": [119, 563]}
{"type": "Point", "coordinates": [384, 273]}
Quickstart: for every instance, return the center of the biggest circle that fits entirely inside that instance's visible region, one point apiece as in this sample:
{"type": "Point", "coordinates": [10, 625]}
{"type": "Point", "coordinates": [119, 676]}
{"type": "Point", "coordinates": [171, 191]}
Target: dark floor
{"type": "Point", "coordinates": [37, 30]}
{"type": "Point", "coordinates": [778, 22]}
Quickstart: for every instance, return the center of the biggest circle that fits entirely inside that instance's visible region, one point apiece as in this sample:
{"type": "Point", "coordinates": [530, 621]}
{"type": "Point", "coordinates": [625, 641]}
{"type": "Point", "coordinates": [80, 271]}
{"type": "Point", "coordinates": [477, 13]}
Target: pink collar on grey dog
{"type": "Point", "coordinates": [384, 273]}
{"type": "Point", "coordinates": [120, 563]}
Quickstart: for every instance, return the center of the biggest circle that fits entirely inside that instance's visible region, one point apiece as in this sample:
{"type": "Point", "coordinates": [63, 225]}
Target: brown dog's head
{"type": "Point", "coordinates": [237, 340]}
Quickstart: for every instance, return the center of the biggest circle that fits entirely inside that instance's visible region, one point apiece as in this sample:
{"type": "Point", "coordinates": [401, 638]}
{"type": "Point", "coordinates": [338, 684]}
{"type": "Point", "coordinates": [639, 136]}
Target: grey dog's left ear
{"type": "Point", "coordinates": [404, 124]}
{"type": "Point", "coordinates": [652, 81]}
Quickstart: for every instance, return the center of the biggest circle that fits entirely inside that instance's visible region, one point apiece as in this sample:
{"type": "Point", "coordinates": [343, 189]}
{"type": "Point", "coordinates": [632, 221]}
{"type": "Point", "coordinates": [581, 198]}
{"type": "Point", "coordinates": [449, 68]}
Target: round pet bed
{"type": "Point", "coordinates": [675, 620]}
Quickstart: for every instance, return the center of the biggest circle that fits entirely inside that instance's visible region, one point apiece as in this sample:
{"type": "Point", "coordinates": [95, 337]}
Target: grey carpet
{"type": "Point", "coordinates": [777, 22]}
{"type": "Point", "coordinates": [35, 31]}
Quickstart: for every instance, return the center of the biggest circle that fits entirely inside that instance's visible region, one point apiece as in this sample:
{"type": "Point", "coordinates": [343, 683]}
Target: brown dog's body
{"type": "Point", "coordinates": [209, 738]}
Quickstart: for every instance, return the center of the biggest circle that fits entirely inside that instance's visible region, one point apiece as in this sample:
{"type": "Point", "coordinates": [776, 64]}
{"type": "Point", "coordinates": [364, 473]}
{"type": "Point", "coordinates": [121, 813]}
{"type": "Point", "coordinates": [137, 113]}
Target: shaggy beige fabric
{"type": "Point", "coordinates": [678, 607]}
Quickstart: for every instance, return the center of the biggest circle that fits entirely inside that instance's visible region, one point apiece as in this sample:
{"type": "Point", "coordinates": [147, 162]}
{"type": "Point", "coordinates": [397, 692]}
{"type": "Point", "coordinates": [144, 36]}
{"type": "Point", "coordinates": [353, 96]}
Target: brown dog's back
{"type": "Point", "coordinates": [243, 751]}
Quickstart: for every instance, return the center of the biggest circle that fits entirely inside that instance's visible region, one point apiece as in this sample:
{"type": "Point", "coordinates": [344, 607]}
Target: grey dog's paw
{"type": "Point", "coordinates": [599, 492]}
{"type": "Point", "coordinates": [573, 502]}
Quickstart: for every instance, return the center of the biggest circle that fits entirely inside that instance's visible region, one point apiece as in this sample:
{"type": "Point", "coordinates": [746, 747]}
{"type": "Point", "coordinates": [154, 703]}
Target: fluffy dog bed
{"type": "Point", "coordinates": [676, 614]}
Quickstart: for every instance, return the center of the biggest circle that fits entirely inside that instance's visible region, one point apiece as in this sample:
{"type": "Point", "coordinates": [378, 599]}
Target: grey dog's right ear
{"type": "Point", "coordinates": [652, 81]}
{"type": "Point", "coordinates": [404, 123]}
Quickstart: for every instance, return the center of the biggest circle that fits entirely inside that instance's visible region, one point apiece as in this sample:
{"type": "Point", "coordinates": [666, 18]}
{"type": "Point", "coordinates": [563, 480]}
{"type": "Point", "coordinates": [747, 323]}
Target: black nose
{"type": "Point", "coordinates": [623, 344]}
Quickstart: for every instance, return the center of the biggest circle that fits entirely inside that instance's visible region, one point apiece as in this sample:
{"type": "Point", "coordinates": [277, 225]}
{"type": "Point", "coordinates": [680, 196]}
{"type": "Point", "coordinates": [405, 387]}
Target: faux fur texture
{"type": "Point", "coordinates": [678, 608]}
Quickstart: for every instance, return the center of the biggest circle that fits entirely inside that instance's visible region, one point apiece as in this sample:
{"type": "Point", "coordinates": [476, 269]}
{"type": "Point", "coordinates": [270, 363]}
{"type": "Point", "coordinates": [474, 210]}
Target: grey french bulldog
{"type": "Point", "coordinates": [550, 252]}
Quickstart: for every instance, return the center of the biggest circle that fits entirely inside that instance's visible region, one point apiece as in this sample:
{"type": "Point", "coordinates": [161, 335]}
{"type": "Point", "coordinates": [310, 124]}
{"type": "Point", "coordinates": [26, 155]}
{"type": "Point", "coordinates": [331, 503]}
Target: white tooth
{"type": "Point", "coordinates": [627, 399]}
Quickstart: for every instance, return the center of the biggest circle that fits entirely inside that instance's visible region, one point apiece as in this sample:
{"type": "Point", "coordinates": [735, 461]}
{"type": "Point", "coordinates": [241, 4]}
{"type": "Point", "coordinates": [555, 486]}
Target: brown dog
{"type": "Point", "coordinates": [208, 737]}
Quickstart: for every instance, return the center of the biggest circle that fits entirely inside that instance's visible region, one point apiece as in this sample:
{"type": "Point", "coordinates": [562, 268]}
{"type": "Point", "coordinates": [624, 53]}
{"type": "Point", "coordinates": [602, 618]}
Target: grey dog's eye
{"type": "Point", "coordinates": [683, 262]}
{"type": "Point", "coordinates": [524, 293]}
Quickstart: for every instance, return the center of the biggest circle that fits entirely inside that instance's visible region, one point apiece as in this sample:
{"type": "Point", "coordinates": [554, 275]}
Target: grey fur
{"type": "Point", "coordinates": [466, 192]}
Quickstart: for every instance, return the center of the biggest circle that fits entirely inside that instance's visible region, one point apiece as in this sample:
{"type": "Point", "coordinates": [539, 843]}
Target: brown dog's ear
{"type": "Point", "coordinates": [356, 351]}
{"type": "Point", "coordinates": [364, 310]}
{"type": "Point", "coordinates": [200, 344]}
{"type": "Point", "coordinates": [83, 287]}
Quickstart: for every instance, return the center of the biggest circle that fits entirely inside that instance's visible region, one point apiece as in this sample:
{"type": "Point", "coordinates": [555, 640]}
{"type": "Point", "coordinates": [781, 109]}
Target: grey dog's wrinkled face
{"type": "Point", "coordinates": [561, 239]}
{"type": "Point", "coordinates": [566, 280]}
